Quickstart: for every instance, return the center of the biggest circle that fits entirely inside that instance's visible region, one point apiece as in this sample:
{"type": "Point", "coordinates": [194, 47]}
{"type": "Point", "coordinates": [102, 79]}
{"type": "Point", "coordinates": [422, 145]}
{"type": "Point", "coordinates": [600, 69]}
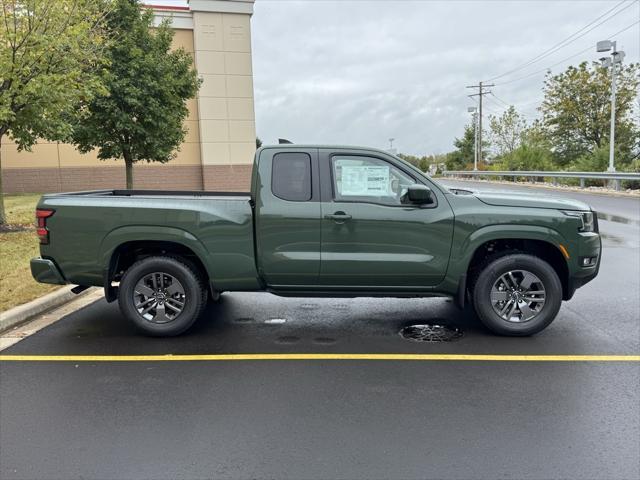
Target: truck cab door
{"type": "Point", "coordinates": [287, 216]}
{"type": "Point", "coordinates": [372, 236]}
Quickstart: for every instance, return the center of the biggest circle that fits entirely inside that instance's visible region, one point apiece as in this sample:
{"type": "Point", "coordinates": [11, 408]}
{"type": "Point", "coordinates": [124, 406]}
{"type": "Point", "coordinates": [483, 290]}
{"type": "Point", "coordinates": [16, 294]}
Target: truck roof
{"type": "Point", "coordinates": [312, 145]}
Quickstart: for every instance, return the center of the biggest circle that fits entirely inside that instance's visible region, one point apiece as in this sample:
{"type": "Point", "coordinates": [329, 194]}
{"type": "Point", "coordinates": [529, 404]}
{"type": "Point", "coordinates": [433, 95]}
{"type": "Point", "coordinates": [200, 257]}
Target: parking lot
{"type": "Point", "coordinates": [575, 415]}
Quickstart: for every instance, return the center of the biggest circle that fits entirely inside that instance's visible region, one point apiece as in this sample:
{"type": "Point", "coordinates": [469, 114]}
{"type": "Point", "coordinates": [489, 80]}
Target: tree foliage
{"type": "Point", "coordinates": [507, 131]}
{"type": "Point", "coordinates": [519, 146]}
{"type": "Point", "coordinates": [576, 111]}
{"type": "Point", "coordinates": [573, 133]}
{"type": "Point", "coordinates": [525, 157]}
{"type": "Point", "coordinates": [424, 162]}
{"type": "Point", "coordinates": [464, 153]}
{"type": "Point", "coordinates": [141, 117]}
{"type": "Point", "coordinates": [51, 57]}
{"type": "Point", "coordinates": [419, 162]}
{"type": "Point", "coordinates": [462, 157]}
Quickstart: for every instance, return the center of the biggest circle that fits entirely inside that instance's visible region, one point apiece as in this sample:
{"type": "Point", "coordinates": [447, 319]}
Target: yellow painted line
{"type": "Point", "coordinates": [320, 356]}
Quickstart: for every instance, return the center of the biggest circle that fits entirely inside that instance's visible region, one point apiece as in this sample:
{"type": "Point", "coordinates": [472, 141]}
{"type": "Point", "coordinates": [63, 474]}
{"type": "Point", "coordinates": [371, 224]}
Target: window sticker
{"type": "Point", "coordinates": [365, 180]}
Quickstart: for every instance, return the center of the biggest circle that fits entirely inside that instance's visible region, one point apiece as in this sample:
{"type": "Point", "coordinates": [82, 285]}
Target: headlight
{"type": "Point", "coordinates": [587, 218]}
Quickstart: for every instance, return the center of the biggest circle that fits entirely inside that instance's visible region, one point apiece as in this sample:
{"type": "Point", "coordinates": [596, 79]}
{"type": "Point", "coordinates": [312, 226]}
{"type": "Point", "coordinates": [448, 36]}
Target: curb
{"type": "Point", "coordinates": [26, 312]}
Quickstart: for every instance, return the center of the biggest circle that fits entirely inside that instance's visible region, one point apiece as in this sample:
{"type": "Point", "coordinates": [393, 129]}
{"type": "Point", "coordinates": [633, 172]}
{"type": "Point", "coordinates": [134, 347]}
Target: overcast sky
{"type": "Point", "coordinates": [360, 72]}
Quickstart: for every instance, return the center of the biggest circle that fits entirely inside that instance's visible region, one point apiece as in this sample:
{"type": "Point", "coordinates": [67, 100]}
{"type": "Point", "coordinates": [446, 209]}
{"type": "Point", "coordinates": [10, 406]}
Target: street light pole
{"type": "Point", "coordinates": [474, 110]}
{"type": "Point", "coordinates": [616, 58]}
{"type": "Point", "coordinates": [477, 135]}
{"type": "Point", "coordinates": [612, 132]}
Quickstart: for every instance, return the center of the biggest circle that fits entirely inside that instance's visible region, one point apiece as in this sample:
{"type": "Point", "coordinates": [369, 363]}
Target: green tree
{"type": "Point", "coordinates": [258, 142]}
{"type": "Point", "coordinates": [50, 64]}
{"type": "Point", "coordinates": [535, 135]}
{"type": "Point", "coordinates": [596, 161]}
{"type": "Point", "coordinates": [412, 159]}
{"type": "Point", "coordinates": [463, 156]}
{"type": "Point", "coordinates": [419, 162]}
{"type": "Point", "coordinates": [141, 118]}
{"type": "Point", "coordinates": [576, 111]}
{"type": "Point", "coordinates": [507, 131]}
{"type": "Point", "coordinates": [464, 153]}
{"type": "Point", "coordinates": [525, 157]}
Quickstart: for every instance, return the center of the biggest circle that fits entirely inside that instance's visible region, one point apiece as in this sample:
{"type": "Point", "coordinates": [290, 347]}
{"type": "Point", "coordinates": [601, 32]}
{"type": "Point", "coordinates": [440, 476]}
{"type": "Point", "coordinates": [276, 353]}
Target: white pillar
{"type": "Point", "coordinates": [222, 52]}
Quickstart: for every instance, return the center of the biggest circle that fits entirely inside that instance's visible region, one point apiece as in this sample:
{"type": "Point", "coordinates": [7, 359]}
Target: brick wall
{"type": "Point", "coordinates": [159, 177]}
{"type": "Point", "coordinates": [230, 178]}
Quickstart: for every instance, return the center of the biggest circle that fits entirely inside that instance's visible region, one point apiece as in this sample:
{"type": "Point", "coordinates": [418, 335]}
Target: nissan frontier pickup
{"type": "Point", "coordinates": [321, 221]}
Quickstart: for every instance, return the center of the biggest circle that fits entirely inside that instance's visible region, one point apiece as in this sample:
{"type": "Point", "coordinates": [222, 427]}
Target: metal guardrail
{"type": "Point", "coordinates": [582, 176]}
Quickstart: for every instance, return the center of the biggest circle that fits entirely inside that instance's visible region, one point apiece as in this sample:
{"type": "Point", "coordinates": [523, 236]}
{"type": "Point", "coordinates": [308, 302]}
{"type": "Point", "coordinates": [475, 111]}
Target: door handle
{"type": "Point", "coordinates": [338, 217]}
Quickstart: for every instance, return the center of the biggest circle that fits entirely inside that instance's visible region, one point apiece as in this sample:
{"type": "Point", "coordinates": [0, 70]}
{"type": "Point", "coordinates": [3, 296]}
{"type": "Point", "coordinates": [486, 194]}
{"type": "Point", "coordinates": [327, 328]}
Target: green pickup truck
{"type": "Point", "coordinates": [321, 221]}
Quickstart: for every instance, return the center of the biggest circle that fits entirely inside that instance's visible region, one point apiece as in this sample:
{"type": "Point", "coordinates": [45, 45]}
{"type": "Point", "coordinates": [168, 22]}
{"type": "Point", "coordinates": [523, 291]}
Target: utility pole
{"type": "Point", "coordinates": [480, 94]}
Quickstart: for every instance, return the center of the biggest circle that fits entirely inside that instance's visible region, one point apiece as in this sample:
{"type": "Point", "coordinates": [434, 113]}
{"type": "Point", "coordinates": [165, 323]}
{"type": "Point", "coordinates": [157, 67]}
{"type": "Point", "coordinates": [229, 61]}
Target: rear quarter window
{"type": "Point", "coordinates": [291, 176]}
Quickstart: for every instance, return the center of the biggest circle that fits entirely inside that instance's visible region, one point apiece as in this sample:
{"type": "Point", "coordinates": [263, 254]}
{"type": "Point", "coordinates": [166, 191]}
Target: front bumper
{"type": "Point", "coordinates": [589, 245]}
{"type": "Point", "coordinates": [45, 271]}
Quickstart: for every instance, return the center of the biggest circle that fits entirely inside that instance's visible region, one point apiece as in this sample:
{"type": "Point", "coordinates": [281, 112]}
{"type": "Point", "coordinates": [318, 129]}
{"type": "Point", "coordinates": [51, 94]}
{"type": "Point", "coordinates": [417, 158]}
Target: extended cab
{"type": "Point", "coordinates": [321, 221]}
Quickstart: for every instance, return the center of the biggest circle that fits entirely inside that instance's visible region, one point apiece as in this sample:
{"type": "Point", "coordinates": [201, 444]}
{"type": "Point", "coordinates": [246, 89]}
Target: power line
{"type": "Point", "coordinates": [498, 108]}
{"type": "Point", "coordinates": [558, 46]}
{"type": "Point", "coordinates": [500, 100]}
{"type": "Point", "coordinates": [504, 106]}
{"type": "Point", "coordinates": [518, 104]}
{"type": "Point", "coordinates": [564, 59]}
{"type": "Point", "coordinates": [570, 39]}
{"type": "Point", "coordinates": [524, 113]}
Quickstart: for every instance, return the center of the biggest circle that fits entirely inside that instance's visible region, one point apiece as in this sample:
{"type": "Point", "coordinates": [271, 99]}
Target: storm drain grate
{"type": "Point", "coordinates": [309, 306]}
{"type": "Point", "coordinates": [431, 333]}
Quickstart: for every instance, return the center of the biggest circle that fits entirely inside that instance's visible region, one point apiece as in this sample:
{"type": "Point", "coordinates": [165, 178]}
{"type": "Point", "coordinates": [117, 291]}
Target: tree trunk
{"type": "Point", "coordinates": [129, 169]}
{"type": "Point", "coordinates": [3, 217]}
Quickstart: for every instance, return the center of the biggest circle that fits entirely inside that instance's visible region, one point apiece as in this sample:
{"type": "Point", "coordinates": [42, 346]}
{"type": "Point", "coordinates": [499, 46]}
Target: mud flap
{"type": "Point", "coordinates": [461, 295]}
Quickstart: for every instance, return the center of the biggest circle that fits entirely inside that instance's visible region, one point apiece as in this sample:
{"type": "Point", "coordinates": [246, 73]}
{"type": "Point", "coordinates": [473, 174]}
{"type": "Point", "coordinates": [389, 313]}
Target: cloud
{"type": "Point", "coordinates": [360, 72]}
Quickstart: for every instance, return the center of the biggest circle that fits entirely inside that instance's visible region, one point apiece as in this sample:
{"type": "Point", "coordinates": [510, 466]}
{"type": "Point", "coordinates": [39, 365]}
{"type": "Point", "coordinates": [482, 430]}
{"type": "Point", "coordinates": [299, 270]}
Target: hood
{"type": "Point", "coordinates": [528, 200]}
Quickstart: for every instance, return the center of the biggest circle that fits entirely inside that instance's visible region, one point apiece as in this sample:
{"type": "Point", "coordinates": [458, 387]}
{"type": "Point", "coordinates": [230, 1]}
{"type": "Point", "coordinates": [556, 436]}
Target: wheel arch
{"type": "Point", "coordinates": [537, 240]}
{"type": "Point", "coordinates": [123, 247]}
{"type": "Point", "coordinates": [496, 248]}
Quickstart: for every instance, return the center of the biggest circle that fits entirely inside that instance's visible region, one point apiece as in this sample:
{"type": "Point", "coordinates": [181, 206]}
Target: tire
{"type": "Point", "coordinates": [508, 283]}
{"type": "Point", "coordinates": [162, 296]}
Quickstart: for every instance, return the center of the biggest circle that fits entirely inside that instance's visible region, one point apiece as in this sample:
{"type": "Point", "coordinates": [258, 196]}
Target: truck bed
{"type": "Point", "coordinates": [150, 193]}
{"type": "Point", "coordinates": [88, 228]}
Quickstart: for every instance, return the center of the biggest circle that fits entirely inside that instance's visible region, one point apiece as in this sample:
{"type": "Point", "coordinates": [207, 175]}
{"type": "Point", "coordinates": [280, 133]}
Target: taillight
{"type": "Point", "coordinates": [41, 224]}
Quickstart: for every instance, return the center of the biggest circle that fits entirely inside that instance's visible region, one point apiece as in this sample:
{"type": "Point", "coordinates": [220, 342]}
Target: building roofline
{"type": "Point", "coordinates": [167, 7]}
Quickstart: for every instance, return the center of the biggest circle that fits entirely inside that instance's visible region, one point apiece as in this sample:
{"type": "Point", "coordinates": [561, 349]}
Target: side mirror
{"type": "Point", "coordinates": [420, 194]}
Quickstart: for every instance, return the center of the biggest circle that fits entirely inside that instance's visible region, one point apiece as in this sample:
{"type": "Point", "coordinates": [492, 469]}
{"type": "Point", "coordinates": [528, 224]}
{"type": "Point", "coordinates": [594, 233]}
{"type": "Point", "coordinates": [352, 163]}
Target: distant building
{"type": "Point", "coordinates": [219, 147]}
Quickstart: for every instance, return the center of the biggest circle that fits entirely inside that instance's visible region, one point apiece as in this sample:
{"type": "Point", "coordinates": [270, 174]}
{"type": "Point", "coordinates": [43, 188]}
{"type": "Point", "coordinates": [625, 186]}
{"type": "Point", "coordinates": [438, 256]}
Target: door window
{"type": "Point", "coordinates": [368, 179]}
{"type": "Point", "coordinates": [291, 176]}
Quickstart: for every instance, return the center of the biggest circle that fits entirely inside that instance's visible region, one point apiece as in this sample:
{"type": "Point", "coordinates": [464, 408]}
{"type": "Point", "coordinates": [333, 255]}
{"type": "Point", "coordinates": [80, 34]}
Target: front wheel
{"type": "Point", "coordinates": [162, 296]}
{"type": "Point", "coordinates": [517, 295]}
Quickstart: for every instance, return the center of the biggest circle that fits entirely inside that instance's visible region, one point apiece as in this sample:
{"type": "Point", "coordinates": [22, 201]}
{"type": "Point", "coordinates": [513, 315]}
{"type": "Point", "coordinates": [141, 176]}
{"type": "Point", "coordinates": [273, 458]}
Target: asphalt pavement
{"type": "Point", "coordinates": [320, 419]}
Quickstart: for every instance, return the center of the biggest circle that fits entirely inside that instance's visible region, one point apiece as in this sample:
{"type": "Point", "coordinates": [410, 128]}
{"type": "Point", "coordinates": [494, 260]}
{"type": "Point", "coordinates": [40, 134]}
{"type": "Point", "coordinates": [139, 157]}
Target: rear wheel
{"type": "Point", "coordinates": [162, 296]}
{"type": "Point", "coordinates": [517, 295]}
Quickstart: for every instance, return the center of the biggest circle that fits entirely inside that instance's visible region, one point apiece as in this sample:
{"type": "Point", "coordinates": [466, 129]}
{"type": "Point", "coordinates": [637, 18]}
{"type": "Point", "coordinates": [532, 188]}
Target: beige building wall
{"type": "Point", "coordinates": [222, 49]}
{"type": "Point", "coordinates": [218, 149]}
